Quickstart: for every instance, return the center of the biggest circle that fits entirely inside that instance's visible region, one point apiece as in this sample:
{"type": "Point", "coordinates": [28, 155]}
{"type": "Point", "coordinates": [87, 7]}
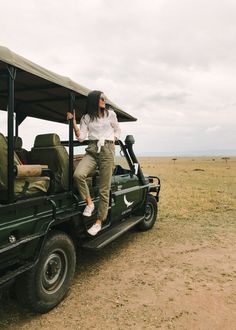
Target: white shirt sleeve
{"type": "Point", "coordinates": [115, 125]}
{"type": "Point", "coordinates": [83, 129]}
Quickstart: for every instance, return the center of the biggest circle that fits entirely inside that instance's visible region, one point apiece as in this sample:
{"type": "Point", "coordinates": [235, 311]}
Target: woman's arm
{"type": "Point", "coordinates": [82, 132]}
{"type": "Point", "coordinates": [115, 125]}
{"type": "Point", "coordinates": [76, 128]}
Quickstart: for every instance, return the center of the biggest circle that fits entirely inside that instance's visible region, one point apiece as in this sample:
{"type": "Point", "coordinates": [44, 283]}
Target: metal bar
{"type": "Point", "coordinates": [71, 147]}
{"type": "Point", "coordinates": [10, 133]}
{"type": "Point", "coordinates": [16, 129]}
{"type": "Point", "coordinates": [129, 146]}
{"type": "Point", "coordinates": [20, 117]}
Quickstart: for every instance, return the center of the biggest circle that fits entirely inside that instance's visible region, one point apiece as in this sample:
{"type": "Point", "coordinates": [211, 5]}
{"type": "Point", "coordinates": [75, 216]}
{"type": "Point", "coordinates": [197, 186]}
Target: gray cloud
{"type": "Point", "coordinates": [169, 63]}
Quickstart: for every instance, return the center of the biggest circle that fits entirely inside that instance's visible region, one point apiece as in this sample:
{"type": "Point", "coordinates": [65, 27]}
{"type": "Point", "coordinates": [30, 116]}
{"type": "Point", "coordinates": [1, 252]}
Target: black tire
{"type": "Point", "coordinates": [150, 214]}
{"type": "Point", "coordinates": [45, 286]}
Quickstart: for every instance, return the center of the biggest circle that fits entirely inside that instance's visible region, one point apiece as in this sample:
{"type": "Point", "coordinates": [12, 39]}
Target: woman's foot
{"type": "Point", "coordinates": [88, 210]}
{"type": "Point", "coordinates": [94, 229]}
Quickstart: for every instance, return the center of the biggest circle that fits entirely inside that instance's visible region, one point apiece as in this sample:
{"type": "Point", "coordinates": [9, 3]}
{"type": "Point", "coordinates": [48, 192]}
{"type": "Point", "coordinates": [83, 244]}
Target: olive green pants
{"type": "Point", "coordinates": [104, 160]}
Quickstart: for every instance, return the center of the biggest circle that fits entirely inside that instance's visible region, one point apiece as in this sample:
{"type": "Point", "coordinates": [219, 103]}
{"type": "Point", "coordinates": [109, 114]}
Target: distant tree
{"type": "Point", "coordinates": [174, 159]}
{"type": "Point", "coordinates": [213, 159]}
{"type": "Point", "coordinates": [226, 159]}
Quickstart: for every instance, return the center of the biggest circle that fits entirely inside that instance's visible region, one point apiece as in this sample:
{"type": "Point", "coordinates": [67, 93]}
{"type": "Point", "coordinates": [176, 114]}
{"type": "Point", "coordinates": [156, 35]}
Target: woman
{"type": "Point", "coordinates": [102, 129]}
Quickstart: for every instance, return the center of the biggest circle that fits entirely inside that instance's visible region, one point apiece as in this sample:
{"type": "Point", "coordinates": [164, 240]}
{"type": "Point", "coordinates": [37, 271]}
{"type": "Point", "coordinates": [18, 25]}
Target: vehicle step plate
{"type": "Point", "coordinates": [111, 234]}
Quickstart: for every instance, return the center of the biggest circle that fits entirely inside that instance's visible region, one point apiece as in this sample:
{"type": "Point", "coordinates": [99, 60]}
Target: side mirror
{"type": "Point", "coordinates": [129, 140]}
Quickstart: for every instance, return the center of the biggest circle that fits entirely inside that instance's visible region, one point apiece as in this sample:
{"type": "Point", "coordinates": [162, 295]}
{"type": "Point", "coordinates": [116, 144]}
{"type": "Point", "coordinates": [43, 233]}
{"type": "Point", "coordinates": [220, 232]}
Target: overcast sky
{"type": "Point", "coordinates": [170, 63]}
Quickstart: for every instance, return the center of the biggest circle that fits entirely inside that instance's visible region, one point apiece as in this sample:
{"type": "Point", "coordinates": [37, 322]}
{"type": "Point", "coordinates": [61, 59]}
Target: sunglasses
{"type": "Point", "coordinates": [103, 98]}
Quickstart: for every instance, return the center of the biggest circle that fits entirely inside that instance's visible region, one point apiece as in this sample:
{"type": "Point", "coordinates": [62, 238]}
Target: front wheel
{"type": "Point", "coordinates": [150, 214]}
{"type": "Point", "coordinates": [44, 287]}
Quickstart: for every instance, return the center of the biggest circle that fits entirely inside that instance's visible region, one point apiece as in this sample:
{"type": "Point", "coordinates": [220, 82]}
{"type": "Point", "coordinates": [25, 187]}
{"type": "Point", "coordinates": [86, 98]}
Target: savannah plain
{"type": "Point", "coordinates": [179, 275]}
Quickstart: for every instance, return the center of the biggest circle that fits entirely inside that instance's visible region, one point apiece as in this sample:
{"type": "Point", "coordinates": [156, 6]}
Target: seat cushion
{"type": "Point", "coordinates": [48, 151]}
{"type": "Point", "coordinates": [22, 186]}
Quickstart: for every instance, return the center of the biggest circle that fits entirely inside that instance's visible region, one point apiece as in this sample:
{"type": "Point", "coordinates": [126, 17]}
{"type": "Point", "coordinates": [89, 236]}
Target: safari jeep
{"type": "Point", "coordinates": [41, 221]}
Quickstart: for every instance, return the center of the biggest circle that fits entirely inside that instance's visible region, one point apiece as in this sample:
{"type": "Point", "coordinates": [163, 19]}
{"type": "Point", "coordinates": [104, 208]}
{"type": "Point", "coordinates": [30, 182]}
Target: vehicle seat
{"type": "Point", "coordinates": [23, 187]}
{"type": "Point", "coordinates": [48, 150]}
{"type": "Point", "coordinates": [22, 153]}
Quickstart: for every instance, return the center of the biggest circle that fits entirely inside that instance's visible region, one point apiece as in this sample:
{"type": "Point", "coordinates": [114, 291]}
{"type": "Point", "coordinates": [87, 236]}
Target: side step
{"type": "Point", "coordinates": [111, 234]}
{"type": "Point", "coordinates": [12, 274]}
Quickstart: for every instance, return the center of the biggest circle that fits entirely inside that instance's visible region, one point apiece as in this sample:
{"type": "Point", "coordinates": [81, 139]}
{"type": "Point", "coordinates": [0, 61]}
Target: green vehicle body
{"type": "Point", "coordinates": [32, 225]}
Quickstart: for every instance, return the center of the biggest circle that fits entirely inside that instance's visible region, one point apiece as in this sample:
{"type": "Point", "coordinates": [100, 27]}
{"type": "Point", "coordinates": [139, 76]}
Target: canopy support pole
{"type": "Point", "coordinates": [20, 117]}
{"type": "Point", "coordinates": [10, 132]}
{"type": "Point", "coordinates": [71, 146]}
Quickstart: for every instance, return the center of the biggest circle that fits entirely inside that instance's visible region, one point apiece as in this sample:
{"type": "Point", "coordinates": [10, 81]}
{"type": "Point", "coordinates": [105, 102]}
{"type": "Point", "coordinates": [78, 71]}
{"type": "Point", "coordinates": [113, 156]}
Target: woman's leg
{"type": "Point", "coordinates": [86, 166]}
{"type": "Point", "coordinates": [106, 165]}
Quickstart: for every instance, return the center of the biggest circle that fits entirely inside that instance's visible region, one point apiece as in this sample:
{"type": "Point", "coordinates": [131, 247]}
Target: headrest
{"type": "Point", "coordinates": [47, 140]}
{"type": "Point", "coordinates": [17, 142]}
{"type": "Point", "coordinates": [3, 138]}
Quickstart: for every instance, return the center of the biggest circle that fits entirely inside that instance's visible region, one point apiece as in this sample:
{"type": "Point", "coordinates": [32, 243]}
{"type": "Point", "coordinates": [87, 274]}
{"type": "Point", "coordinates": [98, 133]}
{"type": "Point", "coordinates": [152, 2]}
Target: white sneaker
{"type": "Point", "coordinates": [94, 229]}
{"type": "Point", "coordinates": [88, 210]}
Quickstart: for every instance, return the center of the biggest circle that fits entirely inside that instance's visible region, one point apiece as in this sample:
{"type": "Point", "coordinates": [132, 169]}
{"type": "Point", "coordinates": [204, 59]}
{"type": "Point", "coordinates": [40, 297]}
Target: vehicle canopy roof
{"type": "Point", "coordinates": [41, 93]}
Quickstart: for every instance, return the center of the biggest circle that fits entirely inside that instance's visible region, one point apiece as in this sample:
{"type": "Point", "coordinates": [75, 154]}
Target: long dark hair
{"type": "Point", "coordinates": [92, 105]}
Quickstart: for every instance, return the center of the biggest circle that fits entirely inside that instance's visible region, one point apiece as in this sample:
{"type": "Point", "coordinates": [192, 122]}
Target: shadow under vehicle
{"type": "Point", "coordinates": [41, 222]}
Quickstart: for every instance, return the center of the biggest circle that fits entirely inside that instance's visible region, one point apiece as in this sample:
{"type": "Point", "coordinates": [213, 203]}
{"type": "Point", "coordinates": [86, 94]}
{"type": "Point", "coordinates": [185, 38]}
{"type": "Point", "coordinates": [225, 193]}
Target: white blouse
{"type": "Point", "coordinates": [101, 129]}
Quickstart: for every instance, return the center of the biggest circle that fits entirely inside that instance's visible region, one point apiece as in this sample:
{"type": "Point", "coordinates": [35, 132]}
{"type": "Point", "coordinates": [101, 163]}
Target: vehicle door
{"type": "Point", "coordinates": [125, 188]}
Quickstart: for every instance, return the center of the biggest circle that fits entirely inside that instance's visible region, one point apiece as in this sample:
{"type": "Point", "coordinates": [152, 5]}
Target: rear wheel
{"type": "Point", "coordinates": [43, 287]}
{"type": "Point", "coordinates": [150, 214]}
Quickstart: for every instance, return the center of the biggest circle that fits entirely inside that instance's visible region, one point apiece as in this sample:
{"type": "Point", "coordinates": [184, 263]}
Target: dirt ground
{"type": "Point", "coordinates": [179, 275]}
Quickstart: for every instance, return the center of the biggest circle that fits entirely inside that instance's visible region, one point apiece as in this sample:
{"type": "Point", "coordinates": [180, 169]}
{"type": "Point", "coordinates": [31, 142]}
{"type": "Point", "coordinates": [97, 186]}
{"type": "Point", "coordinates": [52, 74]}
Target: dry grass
{"type": "Point", "coordinates": [200, 192]}
{"type": "Point", "coordinates": [192, 186]}
{"type": "Point", "coordinates": [180, 275]}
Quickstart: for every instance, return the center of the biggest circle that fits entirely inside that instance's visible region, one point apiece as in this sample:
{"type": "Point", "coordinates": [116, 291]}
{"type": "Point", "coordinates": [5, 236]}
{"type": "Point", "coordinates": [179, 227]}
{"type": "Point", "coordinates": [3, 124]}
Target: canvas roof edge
{"type": "Point", "coordinates": [18, 61]}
